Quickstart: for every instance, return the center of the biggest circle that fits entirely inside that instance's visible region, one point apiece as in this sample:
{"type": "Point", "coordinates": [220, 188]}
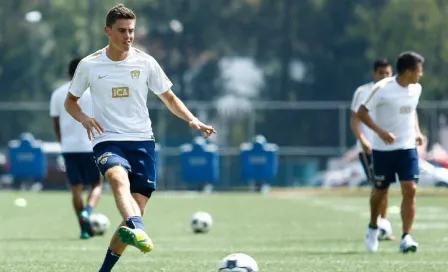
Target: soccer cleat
{"type": "Point", "coordinates": [84, 218]}
{"type": "Point", "coordinates": [84, 235]}
{"type": "Point", "coordinates": [408, 244]}
{"type": "Point", "coordinates": [135, 237]}
{"type": "Point", "coordinates": [371, 241]}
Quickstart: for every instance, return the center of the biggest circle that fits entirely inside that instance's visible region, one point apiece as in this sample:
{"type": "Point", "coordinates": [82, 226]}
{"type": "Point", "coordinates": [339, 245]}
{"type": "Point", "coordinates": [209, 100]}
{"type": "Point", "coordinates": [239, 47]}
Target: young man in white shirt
{"type": "Point", "coordinates": [381, 70]}
{"type": "Point", "coordinates": [120, 77]}
{"type": "Point", "coordinates": [393, 102]}
{"type": "Point", "coordinates": [81, 169]}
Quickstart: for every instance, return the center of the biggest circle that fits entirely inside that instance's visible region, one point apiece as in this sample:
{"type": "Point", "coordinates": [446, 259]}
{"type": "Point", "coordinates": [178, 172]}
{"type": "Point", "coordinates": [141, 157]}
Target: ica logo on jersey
{"type": "Point", "coordinates": [120, 92]}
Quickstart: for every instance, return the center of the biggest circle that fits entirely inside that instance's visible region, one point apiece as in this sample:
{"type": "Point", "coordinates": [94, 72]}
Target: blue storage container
{"type": "Point", "coordinates": [27, 159]}
{"type": "Point", "coordinates": [199, 163]}
{"type": "Point", "coordinates": [259, 160]}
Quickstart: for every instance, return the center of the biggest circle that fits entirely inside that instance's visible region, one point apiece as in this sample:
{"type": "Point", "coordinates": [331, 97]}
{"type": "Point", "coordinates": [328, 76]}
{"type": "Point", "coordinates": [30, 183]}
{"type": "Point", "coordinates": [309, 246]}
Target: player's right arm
{"type": "Point", "coordinates": [79, 85]}
{"type": "Point", "coordinates": [355, 123]}
{"type": "Point", "coordinates": [370, 103]}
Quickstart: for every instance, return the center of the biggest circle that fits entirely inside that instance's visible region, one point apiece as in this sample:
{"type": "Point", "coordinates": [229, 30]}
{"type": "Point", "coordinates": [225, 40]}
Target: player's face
{"type": "Point", "coordinates": [414, 76]}
{"type": "Point", "coordinates": [382, 72]}
{"type": "Point", "coordinates": [121, 34]}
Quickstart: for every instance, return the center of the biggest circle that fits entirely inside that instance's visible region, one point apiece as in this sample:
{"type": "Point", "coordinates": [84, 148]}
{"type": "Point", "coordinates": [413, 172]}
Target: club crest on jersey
{"type": "Point", "coordinates": [135, 74]}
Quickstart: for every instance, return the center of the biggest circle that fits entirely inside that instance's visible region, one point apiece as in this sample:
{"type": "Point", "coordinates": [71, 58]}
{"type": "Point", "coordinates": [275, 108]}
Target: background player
{"type": "Point", "coordinates": [394, 101]}
{"type": "Point", "coordinates": [119, 77]}
{"type": "Point", "coordinates": [77, 151]}
{"type": "Point", "coordinates": [381, 70]}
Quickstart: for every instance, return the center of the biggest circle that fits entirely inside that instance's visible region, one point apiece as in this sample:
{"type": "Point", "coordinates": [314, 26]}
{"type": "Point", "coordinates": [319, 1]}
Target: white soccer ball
{"type": "Point", "coordinates": [99, 223]}
{"type": "Point", "coordinates": [201, 222]}
{"type": "Point", "coordinates": [385, 228]}
{"type": "Point", "coordinates": [238, 262]}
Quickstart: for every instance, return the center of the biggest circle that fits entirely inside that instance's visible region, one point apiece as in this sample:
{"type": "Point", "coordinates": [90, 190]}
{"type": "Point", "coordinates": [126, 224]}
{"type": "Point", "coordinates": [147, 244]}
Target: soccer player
{"type": "Point", "coordinates": [381, 70]}
{"type": "Point", "coordinates": [393, 102]}
{"type": "Point", "coordinates": [77, 151]}
{"type": "Point", "coordinates": [120, 77]}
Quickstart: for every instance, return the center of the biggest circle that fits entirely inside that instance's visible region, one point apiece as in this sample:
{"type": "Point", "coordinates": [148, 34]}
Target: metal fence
{"type": "Point", "coordinates": [308, 133]}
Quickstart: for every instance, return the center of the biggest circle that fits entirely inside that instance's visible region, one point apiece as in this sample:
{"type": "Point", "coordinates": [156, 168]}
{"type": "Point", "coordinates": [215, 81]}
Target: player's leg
{"type": "Point", "coordinates": [113, 162]}
{"type": "Point", "coordinates": [117, 176]}
{"type": "Point", "coordinates": [78, 205]}
{"type": "Point", "coordinates": [92, 177]}
{"type": "Point", "coordinates": [408, 189]}
{"type": "Point", "coordinates": [75, 180]}
{"type": "Point", "coordinates": [408, 175]}
{"type": "Point", "coordinates": [383, 207]}
{"type": "Point", "coordinates": [379, 193]}
{"type": "Point", "coordinates": [117, 247]}
{"type": "Point", "coordinates": [383, 168]}
{"type": "Point", "coordinates": [94, 195]}
{"type": "Point", "coordinates": [367, 164]}
{"type": "Point", "coordinates": [141, 156]}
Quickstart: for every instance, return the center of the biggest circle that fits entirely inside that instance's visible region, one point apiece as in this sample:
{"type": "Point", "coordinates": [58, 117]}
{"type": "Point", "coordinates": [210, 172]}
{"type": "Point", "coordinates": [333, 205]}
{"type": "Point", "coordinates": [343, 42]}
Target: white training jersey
{"type": "Point", "coordinates": [394, 110]}
{"type": "Point", "coordinates": [74, 136]}
{"type": "Point", "coordinates": [360, 96]}
{"type": "Point", "coordinates": [119, 92]}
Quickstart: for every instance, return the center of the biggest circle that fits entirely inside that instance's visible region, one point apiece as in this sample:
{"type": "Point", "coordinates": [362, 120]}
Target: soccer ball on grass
{"type": "Point", "coordinates": [201, 222]}
{"type": "Point", "coordinates": [238, 262]}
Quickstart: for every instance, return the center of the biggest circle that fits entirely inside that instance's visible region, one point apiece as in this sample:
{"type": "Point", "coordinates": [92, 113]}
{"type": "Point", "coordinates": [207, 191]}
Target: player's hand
{"type": "Point", "coordinates": [92, 126]}
{"type": "Point", "coordinates": [208, 130]}
{"type": "Point", "coordinates": [387, 137]}
{"type": "Point", "coordinates": [420, 139]}
{"type": "Point", "coordinates": [366, 147]}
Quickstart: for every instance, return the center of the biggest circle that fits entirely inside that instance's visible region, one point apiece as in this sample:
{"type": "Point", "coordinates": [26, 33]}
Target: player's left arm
{"type": "Point", "coordinates": [57, 128]}
{"type": "Point", "coordinates": [55, 113]}
{"type": "Point", "coordinates": [159, 84]}
{"type": "Point", "coordinates": [178, 108]}
{"type": "Point", "coordinates": [355, 124]}
{"type": "Point", "coordinates": [419, 136]}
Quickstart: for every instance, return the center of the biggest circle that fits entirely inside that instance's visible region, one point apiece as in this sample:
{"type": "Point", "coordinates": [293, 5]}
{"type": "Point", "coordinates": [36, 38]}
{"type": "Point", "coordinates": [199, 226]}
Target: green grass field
{"type": "Point", "coordinates": [294, 232]}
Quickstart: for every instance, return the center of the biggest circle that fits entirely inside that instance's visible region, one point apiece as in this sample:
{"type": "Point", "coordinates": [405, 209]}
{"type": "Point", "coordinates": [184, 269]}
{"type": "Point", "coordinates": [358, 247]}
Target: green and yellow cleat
{"type": "Point", "coordinates": [135, 237]}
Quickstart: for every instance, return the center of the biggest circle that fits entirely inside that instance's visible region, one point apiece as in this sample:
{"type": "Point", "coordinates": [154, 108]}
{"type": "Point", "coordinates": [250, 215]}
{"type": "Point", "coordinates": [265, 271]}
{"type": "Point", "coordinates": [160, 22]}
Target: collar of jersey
{"type": "Point", "coordinates": [131, 51]}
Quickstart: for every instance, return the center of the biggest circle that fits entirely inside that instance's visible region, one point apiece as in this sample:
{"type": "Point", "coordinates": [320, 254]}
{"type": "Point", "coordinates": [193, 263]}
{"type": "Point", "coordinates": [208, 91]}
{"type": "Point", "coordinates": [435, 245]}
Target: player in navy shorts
{"type": "Point", "coordinates": [381, 69]}
{"type": "Point", "coordinates": [393, 102]}
{"type": "Point", "coordinates": [76, 146]}
{"type": "Point", "coordinates": [120, 78]}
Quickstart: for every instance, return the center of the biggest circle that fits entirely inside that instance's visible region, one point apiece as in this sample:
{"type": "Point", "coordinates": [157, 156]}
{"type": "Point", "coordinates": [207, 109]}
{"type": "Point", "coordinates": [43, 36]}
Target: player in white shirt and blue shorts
{"type": "Point", "coordinates": [363, 134]}
{"type": "Point", "coordinates": [81, 169]}
{"type": "Point", "coordinates": [120, 77]}
{"type": "Point", "coordinates": [393, 102]}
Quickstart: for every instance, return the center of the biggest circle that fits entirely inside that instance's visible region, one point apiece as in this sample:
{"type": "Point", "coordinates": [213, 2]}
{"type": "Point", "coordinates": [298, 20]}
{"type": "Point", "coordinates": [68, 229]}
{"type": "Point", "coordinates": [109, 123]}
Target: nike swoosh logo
{"type": "Point", "coordinates": [150, 181]}
{"type": "Point", "coordinates": [100, 77]}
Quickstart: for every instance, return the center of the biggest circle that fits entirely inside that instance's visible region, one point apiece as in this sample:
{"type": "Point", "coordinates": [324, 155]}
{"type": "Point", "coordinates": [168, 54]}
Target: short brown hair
{"type": "Point", "coordinates": [119, 12]}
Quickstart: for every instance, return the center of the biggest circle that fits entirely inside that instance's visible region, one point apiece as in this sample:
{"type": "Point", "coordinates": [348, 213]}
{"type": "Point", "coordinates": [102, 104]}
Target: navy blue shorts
{"type": "Point", "coordinates": [367, 164]}
{"type": "Point", "coordinates": [388, 164]}
{"type": "Point", "coordinates": [137, 157]}
{"type": "Point", "coordinates": [81, 168]}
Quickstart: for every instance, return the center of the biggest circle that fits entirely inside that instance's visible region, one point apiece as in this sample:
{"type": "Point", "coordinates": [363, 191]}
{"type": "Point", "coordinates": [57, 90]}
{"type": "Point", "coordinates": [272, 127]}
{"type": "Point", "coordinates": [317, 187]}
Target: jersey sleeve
{"type": "Point", "coordinates": [373, 98]}
{"type": "Point", "coordinates": [356, 100]}
{"type": "Point", "coordinates": [157, 80]}
{"type": "Point", "coordinates": [54, 107]}
{"type": "Point", "coordinates": [80, 81]}
{"type": "Point", "coordinates": [419, 91]}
